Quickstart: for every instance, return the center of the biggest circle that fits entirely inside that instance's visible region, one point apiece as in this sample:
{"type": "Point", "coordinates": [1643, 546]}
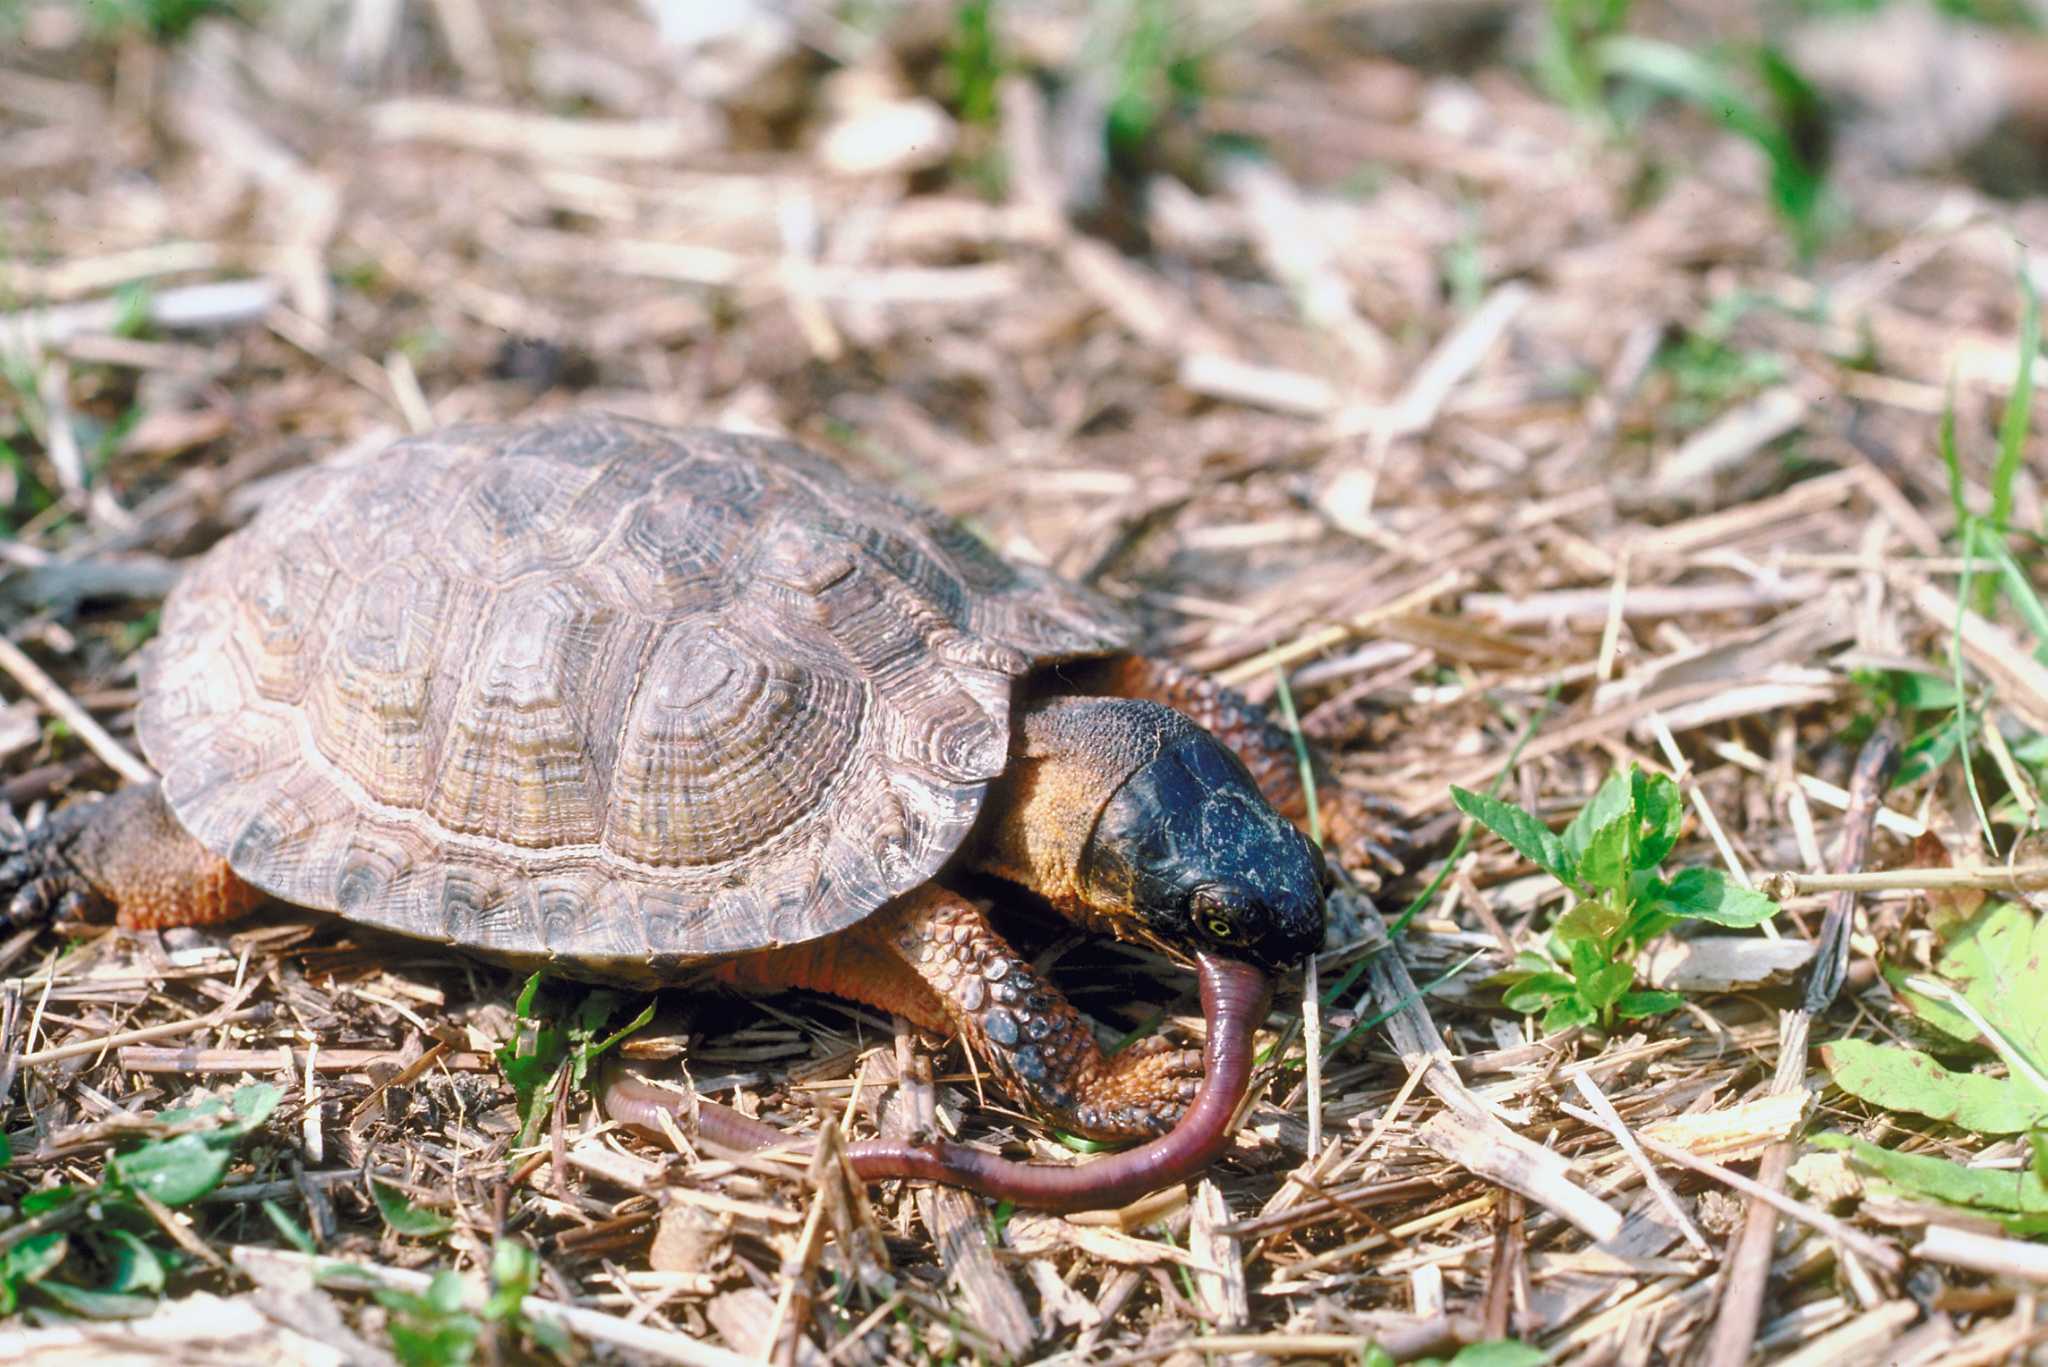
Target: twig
{"type": "Point", "coordinates": [148, 1032]}
{"type": "Point", "coordinates": [46, 691]}
{"type": "Point", "coordinates": [1874, 765]}
{"type": "Point", "coordinates": [2018, 878]}
{"type": "Point", "coordinates": [1749, 1257]}
{"type": "Point", "coordinates": [1466, 1132]}
{"type": "Point", "coordinates": [1610, 1119]}
{"type": "Point", "coordinates": [1883, 1254]}
{"type": "Point", "coordinates": [1984, 1253]}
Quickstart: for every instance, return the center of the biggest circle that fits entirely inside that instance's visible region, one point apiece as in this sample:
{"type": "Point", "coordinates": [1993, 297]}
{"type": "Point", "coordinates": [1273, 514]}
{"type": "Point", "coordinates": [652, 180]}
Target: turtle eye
{"type": "Point", "coordinates": [1218, 917]}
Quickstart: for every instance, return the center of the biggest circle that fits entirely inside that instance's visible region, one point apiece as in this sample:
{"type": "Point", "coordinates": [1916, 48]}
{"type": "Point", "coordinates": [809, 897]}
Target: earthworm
{"type": "Point", "coordinates": [1234, 1000]}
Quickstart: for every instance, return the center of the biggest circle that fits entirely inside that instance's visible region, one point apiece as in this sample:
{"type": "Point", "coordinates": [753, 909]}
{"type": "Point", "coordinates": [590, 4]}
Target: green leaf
{"type": "Point", "coordinates": [294, 1233]}
{"type": "Point", "coordinates": [1601, 838]}
{"type": "Point", "coordinates": [1538, 991]}
{"type": "Point", "coordinates": [49, 1199]}
{"type": "Point", "coordinates": [137, 1266]}
{"type": "Point", "coordinates": [35, 1257]}
{"type": "Point", "coordinates": [514, 1268]}
{"type": "Point", "coordinates": [1649, 1002]}
{"type": "Point", "coordinates": [1996, 959]}
{"type": "Point", "coordinates": [1610, 857]}
{"type": "Point", "coordinates": [432, 1330]}
{"type": "Point", "coordinates": [403, 1216]}
{"type": "Point", "coordinates": [1956, 1030]}
{"type": "Point", "coordinates": [253, 1105]}
{"type": "Point", "coordinates": [175, 1171]}
{"type": "Point", "coordinates": [1604, 986]}
{"type": "Point", "coordinates": [2009, 1194]}
{"type": "Point", "coordinates": [6, 1149]}
{"type": "Point", "coordinates": [1707, 894]}
{"type": "Point", "coordinates": [98, 1305]}
{"type": "Point", "coordinates": [1907, 1080]}
{"type": "Point", "coordinates": [1566, 1014]}
{"type": "Point", "coordinates": [1595, 921]}
{"type": "Point", "coordinates": [2019, 406]}
{"type": "Point", "coordinates": [589, 1053]}
{"type": "Point", "coordinates": [1662, 809]}
{"type": "Point", "coordinates": [1528, 836]}
{"type": "Point", "coordinates": [1499, 1353]}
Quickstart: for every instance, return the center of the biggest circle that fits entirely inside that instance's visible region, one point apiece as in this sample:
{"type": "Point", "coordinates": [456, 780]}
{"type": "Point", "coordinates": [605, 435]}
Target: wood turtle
{"type": "Point", "coordinates": [653, 706]}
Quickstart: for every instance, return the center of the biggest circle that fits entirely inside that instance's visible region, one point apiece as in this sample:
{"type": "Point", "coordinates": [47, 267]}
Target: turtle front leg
{"type": "Point", "coordinates": [125, 855]}
{"type": "Point", "coordinates": [1354, 825]}
{"type": "Point", "coordinates": [1036, 1041]}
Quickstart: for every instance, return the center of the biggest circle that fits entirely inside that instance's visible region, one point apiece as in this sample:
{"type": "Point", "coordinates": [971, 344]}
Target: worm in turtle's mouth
{"type": "Point", "coordinates": [1234, 1000]}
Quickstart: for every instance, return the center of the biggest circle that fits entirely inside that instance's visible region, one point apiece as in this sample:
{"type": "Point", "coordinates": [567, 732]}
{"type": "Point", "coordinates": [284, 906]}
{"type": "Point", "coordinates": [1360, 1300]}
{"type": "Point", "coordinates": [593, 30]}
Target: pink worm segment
{"type": "Point", "coordinates": [1234, 1000]}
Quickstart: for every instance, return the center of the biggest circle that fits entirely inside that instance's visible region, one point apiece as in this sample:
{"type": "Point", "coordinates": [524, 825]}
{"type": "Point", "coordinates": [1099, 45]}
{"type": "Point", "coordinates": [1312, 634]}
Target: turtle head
{"type": "Point", "coordinates": [1190, 851]}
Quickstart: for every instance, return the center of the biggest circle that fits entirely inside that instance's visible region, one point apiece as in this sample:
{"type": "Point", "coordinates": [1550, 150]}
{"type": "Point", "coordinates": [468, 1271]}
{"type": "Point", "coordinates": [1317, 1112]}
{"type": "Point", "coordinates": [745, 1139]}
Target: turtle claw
{"type": "Point", "coordinates": [38, 883]}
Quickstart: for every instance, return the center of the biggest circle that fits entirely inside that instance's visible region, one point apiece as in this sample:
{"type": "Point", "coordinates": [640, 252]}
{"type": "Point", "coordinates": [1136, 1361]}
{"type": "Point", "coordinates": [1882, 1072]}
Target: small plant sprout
{"type": "Point", "coordinates": [1609, 857]}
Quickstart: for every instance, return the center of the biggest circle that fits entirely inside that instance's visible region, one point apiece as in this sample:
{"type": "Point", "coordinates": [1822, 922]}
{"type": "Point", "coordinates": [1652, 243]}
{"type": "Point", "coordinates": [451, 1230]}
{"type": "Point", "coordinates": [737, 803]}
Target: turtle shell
{"type": "Point", "coordinates": [596, 691]}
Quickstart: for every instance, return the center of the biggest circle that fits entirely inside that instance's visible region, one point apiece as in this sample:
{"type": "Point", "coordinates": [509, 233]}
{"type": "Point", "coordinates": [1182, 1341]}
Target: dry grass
{"type": "Point", "coordinates": [1450, 406]}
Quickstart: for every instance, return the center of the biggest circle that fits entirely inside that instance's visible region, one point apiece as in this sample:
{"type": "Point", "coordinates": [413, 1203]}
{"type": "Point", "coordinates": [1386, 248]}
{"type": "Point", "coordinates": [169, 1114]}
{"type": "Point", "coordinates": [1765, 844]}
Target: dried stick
{"type": "Point", "coordinates": [65, 708]}
{"type": "Point", "coordinates": [1749, 1253]}
{"type": "Point", "coordinates": [2018, 878]}
{"type": "Point", "coordinates": [1466, 1132]}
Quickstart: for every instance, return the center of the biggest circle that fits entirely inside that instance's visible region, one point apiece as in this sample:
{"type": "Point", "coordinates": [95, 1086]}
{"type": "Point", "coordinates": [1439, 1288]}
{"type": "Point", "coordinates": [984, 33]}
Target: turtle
{"type": "Point", "coordinates": [653, 706]}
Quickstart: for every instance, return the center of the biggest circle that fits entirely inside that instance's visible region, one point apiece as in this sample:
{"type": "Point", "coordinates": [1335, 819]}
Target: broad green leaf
{"type": "Point", "coordinates": [98, 1305]}
{"type": "Point", "coordinates": [513, 1270]}
{"type": "Point", "coordinates": [2008, 1193]}
{"type": "Point", "coordinates": [1908, 1080]}
{"type": "Point", "coordinates": [1528, 836]}
{"type": "Point", "coordinates": [1954, 1028]}
{"type": "Point", "coordinates": [1567, 1014]}
{"type": "Point", "coordinates": [1649, 1002]}
{"type": "Point", "coordinates": [1601, 980]}
{"type": "Point", "coordinates": [1662, 810]}
{"type": "Point", "coordinates": [1596, 920]}
{"type": "Point", "coordinates": [1998, 960]}
{"type": "Point", "coordinates": [1609, 858]}
{"type": "Point", "coordinates": [447, 1292]}
{"type": "Point", "coordinates": [1499, 1353]}
{"type": "Point", "coordinates": [48, 1199]}
{"type": "Point", "coordinates": [1535, 993]}
{"type": "Point", "coordinates": [253, 1105]}
{"type": "Point", "coordinates": [35, 1257]}
{"type": "Point", "coordinates": [403, 1216]}
{"type": "Point", "coordinates": [1600, 838]}
{"type": "Point", "coordinates": [175, 1171]}
{"type": "Point", "coordinates": [6, 1149]}
{"type": "Point", "coordinates": [1707, 894]}
{"type": "Point", "coordinates": [137, 1266]}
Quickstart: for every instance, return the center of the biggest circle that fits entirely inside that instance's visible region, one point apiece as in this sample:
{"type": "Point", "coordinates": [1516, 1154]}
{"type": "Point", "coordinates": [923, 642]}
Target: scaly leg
{"type": "Point", "coordinates": [1037, 1042]}
{"type": "Point", "coordinates": [125, 854]}
{"type": "Point", "coordinates": [1354, 825]}
{"type": "Point", "coordinates": [933, 958]}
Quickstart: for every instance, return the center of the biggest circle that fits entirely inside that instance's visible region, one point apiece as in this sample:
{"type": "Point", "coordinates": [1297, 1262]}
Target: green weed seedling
{"type": "Point", "coordinates": [1983, 997]}
{"type": "Point", "coordinates": [438, 1328]}
{"type": "Point", "coordinates": [557, 1041]}
{"type": "Point", "coordinates": [105, 1229]}
{"type": "Point", "coordinates": [1493, 1353]}
{"type": "Point", "coordinates": [1609, 857]}
{"type": "Point", "coordinates": [1785, 118]}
